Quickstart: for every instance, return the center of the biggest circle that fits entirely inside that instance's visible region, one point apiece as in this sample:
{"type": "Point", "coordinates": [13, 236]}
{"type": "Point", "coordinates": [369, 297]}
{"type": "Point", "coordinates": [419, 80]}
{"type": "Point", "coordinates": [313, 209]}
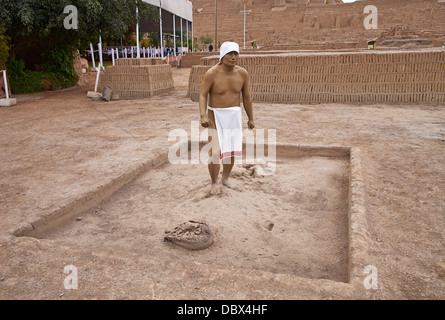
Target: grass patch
{"type": "Point", "coordinates": [36, 81]}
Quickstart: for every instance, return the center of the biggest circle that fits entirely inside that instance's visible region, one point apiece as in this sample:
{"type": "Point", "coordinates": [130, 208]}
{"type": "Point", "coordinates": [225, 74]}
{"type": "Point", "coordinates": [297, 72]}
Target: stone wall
{"type": "Point", "coordinates": [410, 76]}
{"type": "Point", "coordinates": [138, 78]}
{"type": "Point", "coordinates": [316, 26]}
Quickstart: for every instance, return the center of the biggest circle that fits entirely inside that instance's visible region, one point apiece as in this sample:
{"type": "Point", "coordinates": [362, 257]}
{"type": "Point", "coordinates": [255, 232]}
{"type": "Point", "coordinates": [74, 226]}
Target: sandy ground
{"type": "Point", "coordinates": [282, 236]}
{"type": "Point", "coordinates": [268, 222]}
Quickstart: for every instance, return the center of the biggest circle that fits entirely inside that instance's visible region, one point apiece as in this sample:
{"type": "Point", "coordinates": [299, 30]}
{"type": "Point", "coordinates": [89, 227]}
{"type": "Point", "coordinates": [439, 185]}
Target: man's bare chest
{"type": "Point", "coordinates": [228, 83]}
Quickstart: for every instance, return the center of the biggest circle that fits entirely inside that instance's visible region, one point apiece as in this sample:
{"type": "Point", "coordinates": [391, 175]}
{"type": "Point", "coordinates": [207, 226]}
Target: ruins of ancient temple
{"type": "Point", "coordinates": [302, 24]}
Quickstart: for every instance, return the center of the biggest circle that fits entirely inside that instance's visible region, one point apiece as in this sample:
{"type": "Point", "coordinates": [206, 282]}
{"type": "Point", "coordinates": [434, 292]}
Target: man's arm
{"type": "Point", "coordinates": [205, 89]}
{"type": "Point", "coordinates": [247, 100]}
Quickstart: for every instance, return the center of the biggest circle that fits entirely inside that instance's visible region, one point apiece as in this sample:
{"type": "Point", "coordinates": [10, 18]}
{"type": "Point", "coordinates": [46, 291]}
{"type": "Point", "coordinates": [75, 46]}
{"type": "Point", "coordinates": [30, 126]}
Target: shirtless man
{"type": "Point", "coordinates": [223, 84]}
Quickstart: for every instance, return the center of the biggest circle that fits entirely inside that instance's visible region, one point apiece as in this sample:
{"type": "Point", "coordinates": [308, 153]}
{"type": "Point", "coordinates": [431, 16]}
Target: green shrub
{"type": "Point", "coordinates": [4, 49]}
{"type": "Point", "coordinates": [59, 60]}
{"type": "Point", "coordinates": [15, 68]}
{"type": "Point", "coordinates": [26, 81]}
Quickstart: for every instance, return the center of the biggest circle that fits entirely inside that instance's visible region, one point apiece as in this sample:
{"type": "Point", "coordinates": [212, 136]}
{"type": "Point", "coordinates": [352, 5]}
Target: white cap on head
{"type": "Point", "coordinates": [227, 47]}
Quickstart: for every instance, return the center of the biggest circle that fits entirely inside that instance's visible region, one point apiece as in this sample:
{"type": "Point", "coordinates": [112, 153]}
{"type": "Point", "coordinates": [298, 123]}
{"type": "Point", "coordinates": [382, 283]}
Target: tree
{"type": "Point", "coordinates": [40, 24]}
{"type": "Point", "coordinates": [4, 50]}
{"type": "Point", "coordinates": [206, 40]}
{"type": "Point", "coordinates": [153, 38]}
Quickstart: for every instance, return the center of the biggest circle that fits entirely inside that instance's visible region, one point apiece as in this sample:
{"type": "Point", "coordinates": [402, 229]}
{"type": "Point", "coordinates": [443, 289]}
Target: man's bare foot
{"type": "Point", "coordinates": [226, 183]}
{"type": "Point", "coordinates": [214, 190]}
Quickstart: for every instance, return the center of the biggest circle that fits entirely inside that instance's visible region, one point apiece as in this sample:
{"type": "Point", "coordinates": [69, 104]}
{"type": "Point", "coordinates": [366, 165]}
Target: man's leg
{"type": "Point", "coordinates": [214, 171]}
{"type": "Point", "coordinates": [214, 166]}
{"type": "Point", "coordinates": [214, 154]}
{"type": "Point", "coordinates": [227, 168]}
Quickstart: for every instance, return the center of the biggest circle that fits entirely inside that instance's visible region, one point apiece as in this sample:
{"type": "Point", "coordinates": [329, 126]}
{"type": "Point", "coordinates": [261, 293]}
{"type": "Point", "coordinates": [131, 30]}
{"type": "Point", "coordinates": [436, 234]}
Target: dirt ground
{"type": "Point", "coordinates": [264, 222]}
{"type": "Point", "coordinates": [282, 236]}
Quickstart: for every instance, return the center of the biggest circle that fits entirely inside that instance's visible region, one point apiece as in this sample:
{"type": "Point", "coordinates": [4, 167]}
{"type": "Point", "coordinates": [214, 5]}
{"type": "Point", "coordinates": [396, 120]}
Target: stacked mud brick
{"type": "Point", "coordinates": [138, 78]}
{"type": "Point", "coordinates": [193, 58]}
{"type": "Point", "coordinates": [195, 79]}
{"type": "Point", "coordinates": [355, 77]}
{"type": "Point", "coordinates": [127, 62]}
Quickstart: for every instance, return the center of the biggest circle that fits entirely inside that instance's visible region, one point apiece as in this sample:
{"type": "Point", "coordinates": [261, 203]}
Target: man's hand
{"type": "Point", "coordinates": [205, 122]}
{"type": "Point", "coordinates": [250, 124]}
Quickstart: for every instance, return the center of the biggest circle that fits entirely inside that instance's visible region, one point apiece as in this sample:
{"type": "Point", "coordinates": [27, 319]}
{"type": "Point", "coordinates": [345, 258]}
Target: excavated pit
{"type": "Point", "coordinates": [295, 220]}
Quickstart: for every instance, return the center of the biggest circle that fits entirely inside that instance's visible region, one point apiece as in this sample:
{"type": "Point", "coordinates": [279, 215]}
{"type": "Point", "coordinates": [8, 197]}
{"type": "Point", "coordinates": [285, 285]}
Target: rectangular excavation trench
{"type": "Point", "coordinates": [295, 221]}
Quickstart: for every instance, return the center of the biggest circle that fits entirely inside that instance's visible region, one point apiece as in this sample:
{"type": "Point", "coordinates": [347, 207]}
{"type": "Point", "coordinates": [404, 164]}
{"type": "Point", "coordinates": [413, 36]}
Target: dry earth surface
{"type": "Point", "coordinates": [282, 236]}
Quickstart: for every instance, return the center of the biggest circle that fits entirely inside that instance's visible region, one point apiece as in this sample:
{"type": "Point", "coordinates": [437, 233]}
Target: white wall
{"type": "Point", "coordinates": [181, 8]}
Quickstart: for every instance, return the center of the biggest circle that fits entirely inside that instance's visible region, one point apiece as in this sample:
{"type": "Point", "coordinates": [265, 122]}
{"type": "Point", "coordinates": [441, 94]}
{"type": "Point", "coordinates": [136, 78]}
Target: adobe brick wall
{"type": "Point", "coordinates": [286, 23]}
{"type": "Point", "coordinates": [410, 76]}
{"type": "Point", "coordinates": [122, 62]}
{"type": "Point", "coordinates": [193, 59]}
{"type": "Point", "coordinates": [138, 78]}
{"type": "Point", "coordinates": [195, 80]}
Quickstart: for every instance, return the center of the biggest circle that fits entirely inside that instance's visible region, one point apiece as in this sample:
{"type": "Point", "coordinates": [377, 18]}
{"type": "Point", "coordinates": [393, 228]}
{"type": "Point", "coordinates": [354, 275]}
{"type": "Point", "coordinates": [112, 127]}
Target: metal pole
{"type": "Point", "coordinates": [216, 25]}
{"type": "Point", "coordinates": [182, 43]}
{"type": "Point", "coordinates": [244, 24]}
{"type": "Point", "coordinates": [92, 56]}
{"type": "Point", "coordinates": [187, 25]}
{"type": "Point", "coordinates": [137, 32]}
{"type": "Point", "coordinates": [100, 52]}
{"type": "Point", "coordinates": [6, 84]}
{"type": "Point", "coordinates": [97, 78]}
{"type": "Point", "coordinates": [162, 38]}
{"type": "Point", "coordinates": [174, 35]}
